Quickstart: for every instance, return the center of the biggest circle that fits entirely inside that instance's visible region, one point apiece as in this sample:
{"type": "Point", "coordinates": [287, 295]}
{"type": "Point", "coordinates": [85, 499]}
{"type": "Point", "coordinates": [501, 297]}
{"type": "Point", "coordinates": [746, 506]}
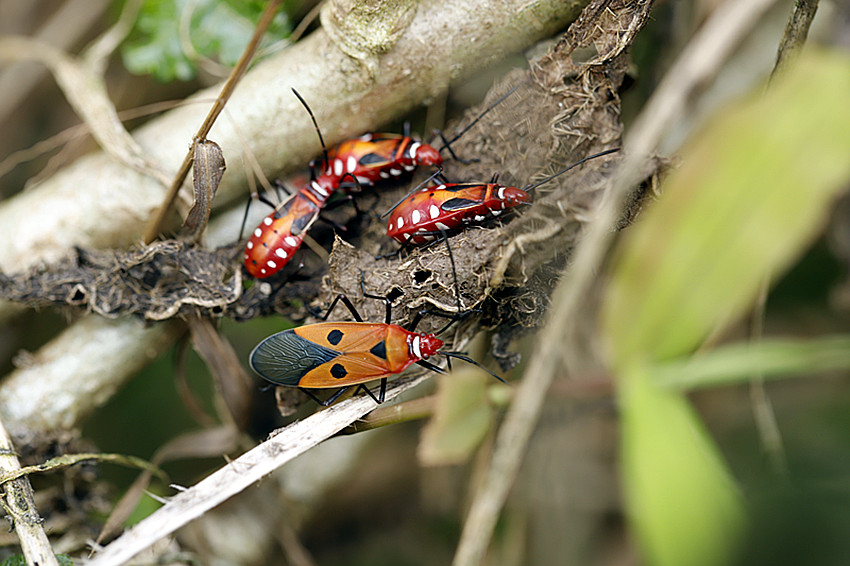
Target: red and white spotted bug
{"type": "Point", "coordinates": [433, 212]}
{"type": "Point", "coordinates": [373, 158]}
{"type": "Point", "coordinates": [277, 238]}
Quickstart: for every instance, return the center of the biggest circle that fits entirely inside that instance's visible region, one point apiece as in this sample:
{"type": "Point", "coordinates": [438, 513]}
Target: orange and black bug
{"type": "Point", "coordinates": [344, 354]}
{"type": "Point", "coordinates": [430, 213]}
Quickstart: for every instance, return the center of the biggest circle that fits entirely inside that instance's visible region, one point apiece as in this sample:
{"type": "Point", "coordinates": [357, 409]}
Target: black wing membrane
{"type": "Point", "coordinates": [284, 358]}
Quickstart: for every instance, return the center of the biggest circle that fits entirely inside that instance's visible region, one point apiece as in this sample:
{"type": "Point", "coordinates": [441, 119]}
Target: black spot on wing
{"type": "Point", "coordinates": [380, 350]}
{"type": "Point", "coordinates": [458, 204]}
{"type": "Point", "coordinates": [338, 371]}
{"type": "Point", "coordinates": [284, 358]}
{"type": "Point", "coordinates": [334, 336]}
{"type": "Point", "coordinates": [372, 159]}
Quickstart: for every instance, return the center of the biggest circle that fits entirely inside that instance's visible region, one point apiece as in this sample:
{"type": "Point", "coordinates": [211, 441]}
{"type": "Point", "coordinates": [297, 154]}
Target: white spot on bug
{"type": "Point", "coordinates": [415, 216]}
{"type": "Point", "coordinates": [496, 212]}
{"type": "Point", "coordinates": [479, 218]}
{"type": "Point", "coordinates": [267, 220]}
{"type": "Point", "coordinates": [351, 164]}
{"type": "Point", "coordinates": [250, 245]}
{"type": "Point", "coordinates": [362, 180]}
{"type": "Point", "coordinates": [271, 264]}
{"type": "Point", "coordinates": [406, 236]}
{"type": "Point", "coordinates": [409, 167]}
{"type": "Point", "coordinates": [366, 137]}
{"type": "Point", "coordinates": [414, 147]}
{"type": "Point", "coordinates": [503, 205]}
{"type": "Point", "coordinates": [395, 172]}
{"type": "Point", "coordinates": [434, 211]}
{"type": "Point", "coordinates": [400, 222]}
{"type": "Point", "coordinates": [416, 349]}
{"type": "Point", "coordinates": [384, 174]}
{"type": "Point", "coordinates": [291, 241]}
{"type": "Point", "coordinates": [280, 252]}
{"type": "Point", "coordinates": [338, 167]}
{"type": "Point", "coordinates": [427, 237]}
{"type": "Point", "coordinates": [441, 226]}
{"type": "Point", "coordinates": [501, 193]}
{"type": "Point", "coordinates": [263, 270]}
{"type": "Point", "coordinates": [258, 233]}
{"type": "Point", "coordinates": [439, 187]}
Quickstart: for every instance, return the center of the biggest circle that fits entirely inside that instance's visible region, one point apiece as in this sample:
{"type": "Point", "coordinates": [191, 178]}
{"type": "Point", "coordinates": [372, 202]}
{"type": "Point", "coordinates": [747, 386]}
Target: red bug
{"type": "Point", "coordinates": [432, 212]}
{"type": "Point", "coordinates": [280, 234]}
{"type": "Point", "coordinates": [277, 238]}
{"type": "Point", "coordinates": [344, 354]}
{"type": "Point", "coordinates": [373, 158]}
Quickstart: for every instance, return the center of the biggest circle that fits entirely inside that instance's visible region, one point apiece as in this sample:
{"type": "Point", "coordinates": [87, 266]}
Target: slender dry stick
{"type": "Point", "coordinates": [18, 501]}
{"type": "Point", "coordinates": [240, 474]}
{"type": "Point", "coordinates": [697, 64]}
{"type": "Point", "coordinates": [765, 418]}
{"type": "Point", "coordinates": [796, 31]}
{"type": "Point", "coordinates": [155, 226]}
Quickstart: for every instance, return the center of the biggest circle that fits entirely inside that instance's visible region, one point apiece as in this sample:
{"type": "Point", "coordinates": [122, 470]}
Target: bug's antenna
{"type": "Point", "coordinates": [574, 165]}
{"type": "Point", "coordinates": [318, 131]}
{"type": "Point", "coordinates": [469, 360]}
{"type": "Point", "coordinates": [438, 173]}
{"type": "Point", "coordinates": [446, 144]}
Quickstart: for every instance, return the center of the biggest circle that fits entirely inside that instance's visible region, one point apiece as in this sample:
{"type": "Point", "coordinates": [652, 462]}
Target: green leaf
{"type": "Point", "coordinates": [770, 359]}
{"type": "Point", "coordinates": [462, 417]}
{"type": "Point", "coordinates": [217, 29]}
{"type": "Point", "coordinates": [682, 503]}
{"type": "Point", "coordinates": [753, 191]}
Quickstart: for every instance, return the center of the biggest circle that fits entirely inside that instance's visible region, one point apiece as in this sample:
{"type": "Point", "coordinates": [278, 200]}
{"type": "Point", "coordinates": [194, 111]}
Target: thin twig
{"type": "Point", "coordinates": [796, 32]}
{"type": "Point", "coordinates": [240, 474]}
{"type": "Point", "coordinates": [18, 501]}
{"type": "Point", "coordinates": [698, 63]}
{"type": "Point", "coordinates": [155, 225]}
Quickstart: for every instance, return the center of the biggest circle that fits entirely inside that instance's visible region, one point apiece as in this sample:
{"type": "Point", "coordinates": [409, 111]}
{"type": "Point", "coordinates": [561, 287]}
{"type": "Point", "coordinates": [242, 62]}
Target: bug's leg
{"type": "Point", "coordinates": [448, 147]}
{"type": "Point", "coordinates": [383, 393]}
{"type": "Point", "coordinates": [405, 129]}
{"type": "Point", "coordinates": [347, 303]}
{"type": "Point", "coordinates": [379, 399]}
{"type": "Point", "coordinates": [386, 299]}
{"type": "Point", "coordinates": [445, 237]}
{"type": "Point", "coordinates": [432, 367]}
{"type": "Point", "coordinates": [335, 396]}
{"type": "Point", "coordinates": [281, 186]}
{"type": "Point", "coordinates": [319, 401]}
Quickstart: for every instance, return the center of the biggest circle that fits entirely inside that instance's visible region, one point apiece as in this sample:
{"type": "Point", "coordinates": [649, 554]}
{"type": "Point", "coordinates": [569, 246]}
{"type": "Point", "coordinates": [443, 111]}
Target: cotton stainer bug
{"type": "Point", "coordinates": [344, 354]}
{"type": "Point", "coordinates": [280, 234]}
{"type": "Point", "coordinates": [373, 158]}
{"type": "Point", "coordinates": [433, 212]}
{"type": "Point", "coordinates": [277, 238]}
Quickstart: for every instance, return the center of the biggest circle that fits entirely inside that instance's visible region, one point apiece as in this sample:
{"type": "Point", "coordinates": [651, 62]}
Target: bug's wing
{"type": "Point", "coordinates": [285, 358]}
{"type": "Point", "coordinates": [347, 369]}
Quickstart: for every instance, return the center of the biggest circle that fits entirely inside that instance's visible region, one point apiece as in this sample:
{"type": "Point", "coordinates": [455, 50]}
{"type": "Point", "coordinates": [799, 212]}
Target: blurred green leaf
{"type": "Point", "coordinates": [753, 191]}
{"type": "Point", "coordinates": [683, 504]}
{"type": "Point", "coordinates": [771, 358]}
{"type": "Point", "coordinates": [218, 29]}
{"type": "Point", "coordinates": [462, 417]}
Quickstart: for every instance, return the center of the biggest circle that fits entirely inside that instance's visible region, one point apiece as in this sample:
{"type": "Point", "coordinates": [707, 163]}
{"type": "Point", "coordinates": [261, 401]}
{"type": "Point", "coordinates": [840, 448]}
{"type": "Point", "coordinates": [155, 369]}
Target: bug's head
{"type": "Point", "coordinates": [427, 155]}
{"type": "Point", "coordinates": [513, 196]}
{"type": "Point", "coordinates": [423, 346]}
